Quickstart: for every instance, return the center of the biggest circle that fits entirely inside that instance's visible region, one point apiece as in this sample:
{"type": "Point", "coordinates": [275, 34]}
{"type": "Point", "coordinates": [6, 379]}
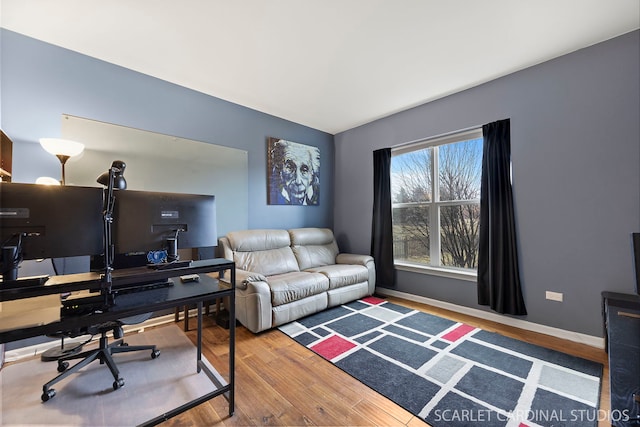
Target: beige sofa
{"type": "Point", "coordinates": [283, 275]}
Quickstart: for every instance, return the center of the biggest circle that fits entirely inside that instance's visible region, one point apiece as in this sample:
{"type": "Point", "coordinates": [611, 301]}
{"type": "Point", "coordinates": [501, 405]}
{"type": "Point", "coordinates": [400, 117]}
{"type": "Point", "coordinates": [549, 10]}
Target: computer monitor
{"type": "Point", "coordinates": [155, 221]}
{"type": "Point", "coordinates": [41, 221]}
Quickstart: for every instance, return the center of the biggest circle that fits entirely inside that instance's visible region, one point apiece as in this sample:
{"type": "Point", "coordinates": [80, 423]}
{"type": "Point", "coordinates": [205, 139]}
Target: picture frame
{"type": "Point", "coordinates": [293, 173]}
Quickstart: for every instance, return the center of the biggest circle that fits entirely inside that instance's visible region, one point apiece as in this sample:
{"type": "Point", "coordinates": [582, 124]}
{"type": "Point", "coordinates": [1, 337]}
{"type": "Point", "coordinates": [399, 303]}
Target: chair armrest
{"type": "Point", "coordinates": [354, 259]}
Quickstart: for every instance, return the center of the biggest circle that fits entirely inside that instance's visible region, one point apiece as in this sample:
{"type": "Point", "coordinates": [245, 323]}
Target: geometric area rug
{"type": "Point", "coordinates": [450, 373]}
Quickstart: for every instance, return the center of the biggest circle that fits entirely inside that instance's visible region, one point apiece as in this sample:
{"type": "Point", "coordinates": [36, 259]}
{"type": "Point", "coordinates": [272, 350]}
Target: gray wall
{"type": "Point", "coordinates": [39, 82]}
{"type": "Point", "coordinates": [576, 175]}
{"type": "Point", "coordinates": [575, 143]}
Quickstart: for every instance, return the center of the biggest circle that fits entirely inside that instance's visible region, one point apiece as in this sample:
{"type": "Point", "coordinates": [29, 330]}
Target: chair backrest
{"type": "Point", "coordinates": [267, 252]}
{"type": "Point", "coordinates": [313, 247]}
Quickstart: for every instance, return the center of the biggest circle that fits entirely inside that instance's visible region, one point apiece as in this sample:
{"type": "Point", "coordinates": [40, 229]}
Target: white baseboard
{"type": "Point", "coordinates": [598, 342]}
{"type": "Point", "coordinates": [590, 340]}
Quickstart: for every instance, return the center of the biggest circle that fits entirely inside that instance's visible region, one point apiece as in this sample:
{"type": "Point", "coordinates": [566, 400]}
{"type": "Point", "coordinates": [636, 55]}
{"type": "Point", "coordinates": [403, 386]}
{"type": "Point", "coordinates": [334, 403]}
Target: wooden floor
{"type": "Point", "coordinates": [281, 383]}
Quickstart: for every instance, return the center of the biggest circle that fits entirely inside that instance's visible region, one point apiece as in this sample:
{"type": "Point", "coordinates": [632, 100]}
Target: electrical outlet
{"type": "Point", "coordinates": [554, 296]}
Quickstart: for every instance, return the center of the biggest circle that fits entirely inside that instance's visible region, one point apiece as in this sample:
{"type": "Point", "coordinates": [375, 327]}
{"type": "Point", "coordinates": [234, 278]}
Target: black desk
{"type": "Point", "coordinates": [38, 312]}
{"type": "Point", "coordinates": [622, 341]}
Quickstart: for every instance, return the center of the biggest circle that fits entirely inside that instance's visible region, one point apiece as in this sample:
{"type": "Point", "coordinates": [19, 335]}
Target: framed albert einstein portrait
{"type": "Point", "coordinates": [293, 173]}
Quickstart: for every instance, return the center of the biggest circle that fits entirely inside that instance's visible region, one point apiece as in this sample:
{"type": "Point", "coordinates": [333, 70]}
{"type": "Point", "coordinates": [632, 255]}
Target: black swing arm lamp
{"type": "Point", "coordinates": [112, 179]}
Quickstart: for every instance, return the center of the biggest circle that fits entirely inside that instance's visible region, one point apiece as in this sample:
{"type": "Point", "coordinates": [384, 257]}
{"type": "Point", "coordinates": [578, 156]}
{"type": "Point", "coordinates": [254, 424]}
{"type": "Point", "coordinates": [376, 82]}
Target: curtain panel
{"type": "Point", "coordinates": [381, 229]}
{"type": "Point", "coordinates": [498, 273]}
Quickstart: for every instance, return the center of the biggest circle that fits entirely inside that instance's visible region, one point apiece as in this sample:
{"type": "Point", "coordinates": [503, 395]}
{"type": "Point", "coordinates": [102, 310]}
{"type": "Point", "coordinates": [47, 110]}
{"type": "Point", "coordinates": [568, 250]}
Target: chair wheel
{"type": "Point", "coordinates": [62, 366]}
{"type": "Point", "coordinates": [155, 354]}
{"type": "Point", "coordinates": [46, 395]}
{"type": "Point", "coordinates": [118, 383]}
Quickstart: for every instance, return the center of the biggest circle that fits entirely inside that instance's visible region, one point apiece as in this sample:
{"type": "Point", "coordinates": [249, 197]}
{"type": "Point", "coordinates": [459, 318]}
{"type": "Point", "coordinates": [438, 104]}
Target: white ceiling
{"type": "Point", "coordinates": [328, 64]}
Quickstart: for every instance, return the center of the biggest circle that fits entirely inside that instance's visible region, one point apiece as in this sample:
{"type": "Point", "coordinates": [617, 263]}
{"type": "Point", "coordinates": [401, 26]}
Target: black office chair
{"type": "Point", "coordinates": [103, 353]}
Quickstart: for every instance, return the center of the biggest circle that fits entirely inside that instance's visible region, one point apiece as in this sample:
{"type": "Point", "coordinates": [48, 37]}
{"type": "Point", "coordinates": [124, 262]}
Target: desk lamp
{"type": "Point", "coordinates": [113, 179]}
{"type": "Point", "coordinates": [63, 149]}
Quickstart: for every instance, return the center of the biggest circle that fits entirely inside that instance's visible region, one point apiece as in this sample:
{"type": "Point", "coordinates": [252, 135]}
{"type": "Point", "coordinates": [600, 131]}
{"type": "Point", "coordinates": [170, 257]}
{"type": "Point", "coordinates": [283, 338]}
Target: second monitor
{"type": "Point", "coordinates": [147, 221]}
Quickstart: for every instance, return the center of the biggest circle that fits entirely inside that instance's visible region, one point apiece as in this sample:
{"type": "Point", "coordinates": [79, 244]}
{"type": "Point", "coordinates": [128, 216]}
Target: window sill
{"type": "Point", "coordinates": [470, 276]}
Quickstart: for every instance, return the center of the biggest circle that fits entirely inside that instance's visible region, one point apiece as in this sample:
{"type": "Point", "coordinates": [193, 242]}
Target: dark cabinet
{"type": "Point", "coordinates": [622, 335]}
{"type": "Point", "coordinates": [6, 156]}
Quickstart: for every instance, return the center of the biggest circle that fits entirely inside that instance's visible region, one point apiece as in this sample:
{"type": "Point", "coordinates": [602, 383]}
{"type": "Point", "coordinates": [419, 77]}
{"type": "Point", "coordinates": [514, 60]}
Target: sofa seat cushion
{"type": "Point", "coordinates": [340, 275]}
{"type": "Point", "coordinates": [294, 286]}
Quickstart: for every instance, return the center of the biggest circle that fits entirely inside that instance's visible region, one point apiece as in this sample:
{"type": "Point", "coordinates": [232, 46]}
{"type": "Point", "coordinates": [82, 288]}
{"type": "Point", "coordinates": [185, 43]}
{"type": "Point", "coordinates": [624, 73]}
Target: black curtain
{"type": "Point", "coordinates": [381, 229]}
{"type": "Point", "coordinates": [498, 273]}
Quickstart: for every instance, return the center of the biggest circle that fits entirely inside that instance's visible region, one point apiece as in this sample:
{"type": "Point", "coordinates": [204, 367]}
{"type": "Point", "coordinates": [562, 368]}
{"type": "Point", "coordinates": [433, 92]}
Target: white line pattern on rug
{"type": "Point", "coordinates": [534, 374]}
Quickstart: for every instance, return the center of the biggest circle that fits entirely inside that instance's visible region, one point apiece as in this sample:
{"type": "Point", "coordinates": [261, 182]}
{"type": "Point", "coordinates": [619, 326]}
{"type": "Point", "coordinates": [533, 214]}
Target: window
{"type": "Point", "coordinates": [435, 190]}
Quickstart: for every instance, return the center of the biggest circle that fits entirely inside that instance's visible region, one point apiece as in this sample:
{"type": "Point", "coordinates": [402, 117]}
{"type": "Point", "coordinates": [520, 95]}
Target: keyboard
{"type": "Point", "coordinates": [170, 265]}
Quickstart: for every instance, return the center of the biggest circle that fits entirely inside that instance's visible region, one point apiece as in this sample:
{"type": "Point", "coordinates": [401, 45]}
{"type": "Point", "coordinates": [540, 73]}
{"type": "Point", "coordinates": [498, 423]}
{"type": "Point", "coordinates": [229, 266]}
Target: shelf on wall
{"type": "Point", "coordinates": [6, 156]}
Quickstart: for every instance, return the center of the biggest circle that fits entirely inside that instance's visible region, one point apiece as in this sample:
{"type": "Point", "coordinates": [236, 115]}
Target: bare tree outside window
{"type": "Point", "coordinates": [438, 186]}
{"type": "Point", "coordinates": [412, 186]}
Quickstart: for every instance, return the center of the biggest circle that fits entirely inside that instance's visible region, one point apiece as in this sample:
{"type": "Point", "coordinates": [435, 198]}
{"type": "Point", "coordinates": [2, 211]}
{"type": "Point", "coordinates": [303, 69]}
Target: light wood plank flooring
{"type": "Point", "coordinates": [281, 383]}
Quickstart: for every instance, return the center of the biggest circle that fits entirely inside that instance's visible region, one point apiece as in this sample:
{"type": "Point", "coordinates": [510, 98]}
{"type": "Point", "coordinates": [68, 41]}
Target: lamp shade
{"type": "Point", "coordinates": [119, 182]}
{"type": "Point", "coordinates": [64, 147]}
{"type": "Point", "coordinates": [47, 180]}
{"type": "Point", "coordinates": [117, 169]}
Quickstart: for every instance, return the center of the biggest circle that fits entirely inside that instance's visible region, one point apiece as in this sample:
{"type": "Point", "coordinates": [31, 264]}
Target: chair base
{"type": "Point", "coordinates": [103, 354]}
{"type": "Point", "coordinates": [64, 350]}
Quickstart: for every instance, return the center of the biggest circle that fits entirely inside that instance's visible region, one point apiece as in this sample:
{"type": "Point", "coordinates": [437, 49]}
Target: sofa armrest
{"type": "Point", "coordinates": [244, 277]}
{"type": "Point", "coordinates": [353, 259]}
{"type": "Point", "coordinates": [366, 260]}
{"type": "Point", "coordinates": [253, 300]}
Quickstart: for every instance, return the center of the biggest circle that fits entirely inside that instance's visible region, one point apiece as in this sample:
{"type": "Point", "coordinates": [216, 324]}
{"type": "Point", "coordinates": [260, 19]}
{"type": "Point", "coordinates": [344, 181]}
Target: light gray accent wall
{"type": "Point", "coordinates": [575, 129]}
{"type": "Point", "coordinates": [40, 82]}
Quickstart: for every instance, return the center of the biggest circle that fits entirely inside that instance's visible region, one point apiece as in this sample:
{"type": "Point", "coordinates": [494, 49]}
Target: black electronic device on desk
{"type": "Point", "coordinates": [149, 228]}
{"type": "Point", "coordinates": [41, 221]}
{"type": "Point", "coordinates": [147, 221]}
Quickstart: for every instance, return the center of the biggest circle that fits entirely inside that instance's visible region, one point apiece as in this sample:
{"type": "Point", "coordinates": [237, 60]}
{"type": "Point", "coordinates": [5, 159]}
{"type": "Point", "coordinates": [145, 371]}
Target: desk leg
{"type": "Point", "coordinates": [199, 336]}
{"type": "Point", "coordinates": [232, 343]}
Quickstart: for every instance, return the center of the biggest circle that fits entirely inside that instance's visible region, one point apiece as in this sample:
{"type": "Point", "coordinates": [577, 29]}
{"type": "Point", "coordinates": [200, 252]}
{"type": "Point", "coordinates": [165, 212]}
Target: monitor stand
{"type": "Point", "coordinates": [9, 263]}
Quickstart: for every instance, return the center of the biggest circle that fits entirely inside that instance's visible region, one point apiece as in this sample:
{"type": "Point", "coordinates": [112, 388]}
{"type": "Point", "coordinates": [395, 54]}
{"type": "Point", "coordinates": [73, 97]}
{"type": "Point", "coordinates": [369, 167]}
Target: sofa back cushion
{"type": "Point", "coordinates": [313, 247]}
{"type": "Point", "coordinates": [267, 252]}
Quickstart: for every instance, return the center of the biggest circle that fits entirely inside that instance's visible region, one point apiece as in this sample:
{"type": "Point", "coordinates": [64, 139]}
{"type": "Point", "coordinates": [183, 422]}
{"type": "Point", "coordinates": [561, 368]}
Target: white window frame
{"type": "Point", "coordinates": [434, 217]}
